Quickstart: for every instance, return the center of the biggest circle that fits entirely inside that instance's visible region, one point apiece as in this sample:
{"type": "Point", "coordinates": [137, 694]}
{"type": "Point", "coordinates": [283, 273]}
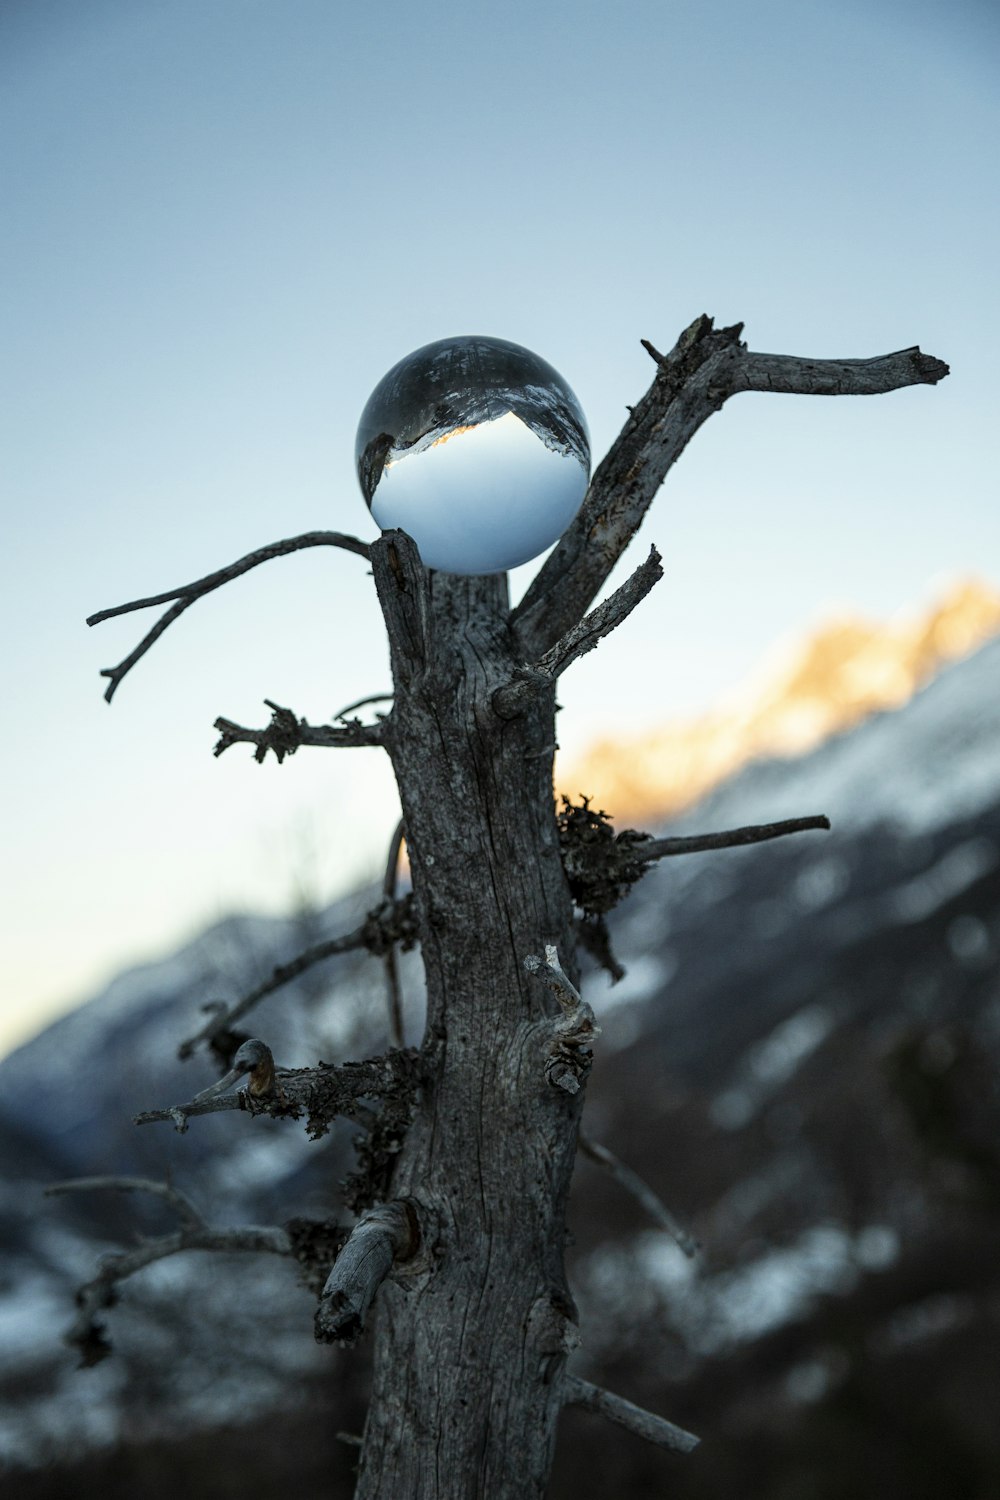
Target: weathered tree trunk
{"type": "Point", "coordinates": [472, 1334]}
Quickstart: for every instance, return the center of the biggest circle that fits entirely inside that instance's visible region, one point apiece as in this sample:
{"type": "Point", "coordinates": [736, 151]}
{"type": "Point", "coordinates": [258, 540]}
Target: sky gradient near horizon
{"type": "Point", "coordinates": [224, 222]}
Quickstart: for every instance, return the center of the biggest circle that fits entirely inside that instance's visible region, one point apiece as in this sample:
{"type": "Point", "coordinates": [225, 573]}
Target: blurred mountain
{"type": "Point", "coordinates": [805, 691]}
{"type": "Point", "coordinates": [801, 1061]}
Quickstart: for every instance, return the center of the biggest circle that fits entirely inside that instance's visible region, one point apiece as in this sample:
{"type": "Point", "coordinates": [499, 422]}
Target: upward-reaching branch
{"type": "Point", "coordinates": [385, 925]}
{"type": "Point", "coordinates": [706, 366]}
{"type": "Point", "coordinates": [591, 630]}
{"type": "Point", "coordinates": [189, 592]}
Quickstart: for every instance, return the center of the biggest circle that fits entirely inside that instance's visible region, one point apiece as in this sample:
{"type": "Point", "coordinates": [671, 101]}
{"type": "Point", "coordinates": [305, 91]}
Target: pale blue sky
{"type": "Point", "coordinates": [223, 220]}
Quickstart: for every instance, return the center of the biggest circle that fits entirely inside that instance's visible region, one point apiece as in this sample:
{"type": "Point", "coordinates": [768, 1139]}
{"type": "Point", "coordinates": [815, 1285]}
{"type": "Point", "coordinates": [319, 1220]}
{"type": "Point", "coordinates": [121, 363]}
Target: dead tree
{"type": "Point", "coordinates": [456, 1247]}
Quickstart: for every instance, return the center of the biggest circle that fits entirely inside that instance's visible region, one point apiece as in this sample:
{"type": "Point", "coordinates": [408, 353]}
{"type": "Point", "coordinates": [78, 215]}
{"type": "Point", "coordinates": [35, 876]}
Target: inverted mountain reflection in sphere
{"type": "Point", "coordinates": [478, 449]}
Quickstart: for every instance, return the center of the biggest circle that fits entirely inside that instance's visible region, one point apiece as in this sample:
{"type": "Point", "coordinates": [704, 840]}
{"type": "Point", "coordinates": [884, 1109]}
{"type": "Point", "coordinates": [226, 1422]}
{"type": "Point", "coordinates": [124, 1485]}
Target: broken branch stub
{"type": "Point", "coordinates": [570, 1046]}
{"type": "Point", "coordinates": [385, 1235]}
{"type": "Point", "coordinates": [635, 1419]}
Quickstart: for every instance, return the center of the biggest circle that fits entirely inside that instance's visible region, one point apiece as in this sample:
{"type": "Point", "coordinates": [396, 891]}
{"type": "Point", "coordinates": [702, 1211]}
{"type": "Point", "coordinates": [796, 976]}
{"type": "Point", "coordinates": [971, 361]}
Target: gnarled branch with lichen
{"type": "Point", "coordinates": [320, 1093]}
{"type": "Point", "coordinates": [286, 733]}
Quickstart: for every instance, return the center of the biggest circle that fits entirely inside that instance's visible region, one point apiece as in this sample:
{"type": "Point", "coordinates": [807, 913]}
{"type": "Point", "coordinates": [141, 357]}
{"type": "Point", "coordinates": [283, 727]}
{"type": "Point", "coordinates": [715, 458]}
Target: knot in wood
{"type": "Point", "coordinates": [552, 1324]}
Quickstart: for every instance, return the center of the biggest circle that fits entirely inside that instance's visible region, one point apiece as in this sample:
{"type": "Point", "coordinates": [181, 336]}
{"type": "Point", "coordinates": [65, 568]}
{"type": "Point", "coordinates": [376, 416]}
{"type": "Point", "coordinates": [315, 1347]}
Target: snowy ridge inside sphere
{"type": "Point", "coordinates": [478, 449]}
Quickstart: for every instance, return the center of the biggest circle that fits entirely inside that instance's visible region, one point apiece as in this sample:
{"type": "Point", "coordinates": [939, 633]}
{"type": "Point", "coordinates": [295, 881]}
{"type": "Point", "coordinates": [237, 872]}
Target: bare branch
{"type": "Point", "coordinates": [180, 1202]}
{"type": "Point", "coordinates": [88, 1332]}
{"type": "Point", "coordinates": [644, 1424]}
{"type": "Point", "coordinates": [189, 592]}
{"type": "Point", "coordinates": [321, 1093]}
{"type": "Point", "coordinates": [387, 924]}
{"type": "Point", "coordinates": [788, 374]}
{"type": "Point", "coordinates": [286, 733]}
{"type": "Point", "coordinates": [569, 1055]}
{"type": "Point", "coordinates": [389, 885]}
{"type": "Point", "coordinates": [179, 1114]}
{"type": "Point", "coordinates": [386, 1234]}
{"type": "Point", "coordinates": [706, 366]}
{"type": "Point", "coordinates": [602, 866]}
{"type": "Point", "coordinates": [732, 838]}
{"type": "Point", "coordinates": [641, 1191]}
{"type": "Point", "coordinates": [513, 698]}
{"type": "Point", "coordinates": [364, 702]}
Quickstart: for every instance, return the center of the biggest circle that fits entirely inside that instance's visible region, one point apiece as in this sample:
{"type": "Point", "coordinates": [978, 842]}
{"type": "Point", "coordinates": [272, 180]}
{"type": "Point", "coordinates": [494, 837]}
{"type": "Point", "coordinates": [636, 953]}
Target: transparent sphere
{"type": "Point", "coordinates": [478, 449]}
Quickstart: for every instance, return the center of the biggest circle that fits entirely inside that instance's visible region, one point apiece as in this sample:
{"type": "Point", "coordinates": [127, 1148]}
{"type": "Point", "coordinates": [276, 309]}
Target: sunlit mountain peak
{"type": "Point", "coordinates": [803, 692]}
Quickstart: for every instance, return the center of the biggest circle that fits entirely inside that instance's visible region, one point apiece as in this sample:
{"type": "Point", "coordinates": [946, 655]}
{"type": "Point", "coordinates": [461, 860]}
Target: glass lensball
{"type": "Point", "coordinates": [478, 449]}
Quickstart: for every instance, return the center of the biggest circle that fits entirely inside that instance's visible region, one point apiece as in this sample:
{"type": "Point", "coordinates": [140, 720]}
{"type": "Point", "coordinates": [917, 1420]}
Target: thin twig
{"type": "Point", "coordinates": [223, 1017]}
{"type": "Point", "coordinates": [189, 592]}
{"type": "Point", "coordinates": [363, 703]}
{"type": "Point", "coordinates": [732, 838]}
{"type": "Point", "coordinates": [389, 923]}
{"type": "Point", "coordinates": [179, 1202]}
{"type": "Point", "coordinates": [393, 995]}
{"type": "Point", "coordinates": [583, 637]}
{"type": "Point", "coordinates": [88, 1332]}
{"type": "Point", "coordinates": [640, 1191]}
{"type": "Point", "coordinates": [384, 1235]}
{"type": "Point", "coordinates": [286, 733]}
{"type": "Point", "coordinates": [644, 1424]}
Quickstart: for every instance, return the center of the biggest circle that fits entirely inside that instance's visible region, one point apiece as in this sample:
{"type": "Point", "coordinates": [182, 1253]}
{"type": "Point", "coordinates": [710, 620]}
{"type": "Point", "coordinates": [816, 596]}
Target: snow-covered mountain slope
{"type": "Point", "coordinates": [801, 1060]}
{"type": "Point", "coordinates": [824, 683]}
{"type": "Point", "coordinates": [935, 761]}
{"type": "Point", "coordinates": [67, 1099]}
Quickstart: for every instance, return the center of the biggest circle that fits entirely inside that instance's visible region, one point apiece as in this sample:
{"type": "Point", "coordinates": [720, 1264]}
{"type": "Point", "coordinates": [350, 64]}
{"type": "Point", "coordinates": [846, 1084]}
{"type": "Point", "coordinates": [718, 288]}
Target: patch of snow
{"type": "Point", "coordinates": [32, 1316]}
{"type": "Point", "coordinates": [922, 766]}
{"type": "Point", "coordinates": [646, 974]}
{"type": "Point", "coordinates": [928, 1319]}
{"type": "Point", "coordinates": [968, 938]}
{"type": "Point", "coordinates": [714, 1313]}
{"type": "Point", "coordinates": [821, 883]}
{"type": "Point", "coordinates": [770, 1063]}
{"type": "Point", "coordinates": [949, 877]}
